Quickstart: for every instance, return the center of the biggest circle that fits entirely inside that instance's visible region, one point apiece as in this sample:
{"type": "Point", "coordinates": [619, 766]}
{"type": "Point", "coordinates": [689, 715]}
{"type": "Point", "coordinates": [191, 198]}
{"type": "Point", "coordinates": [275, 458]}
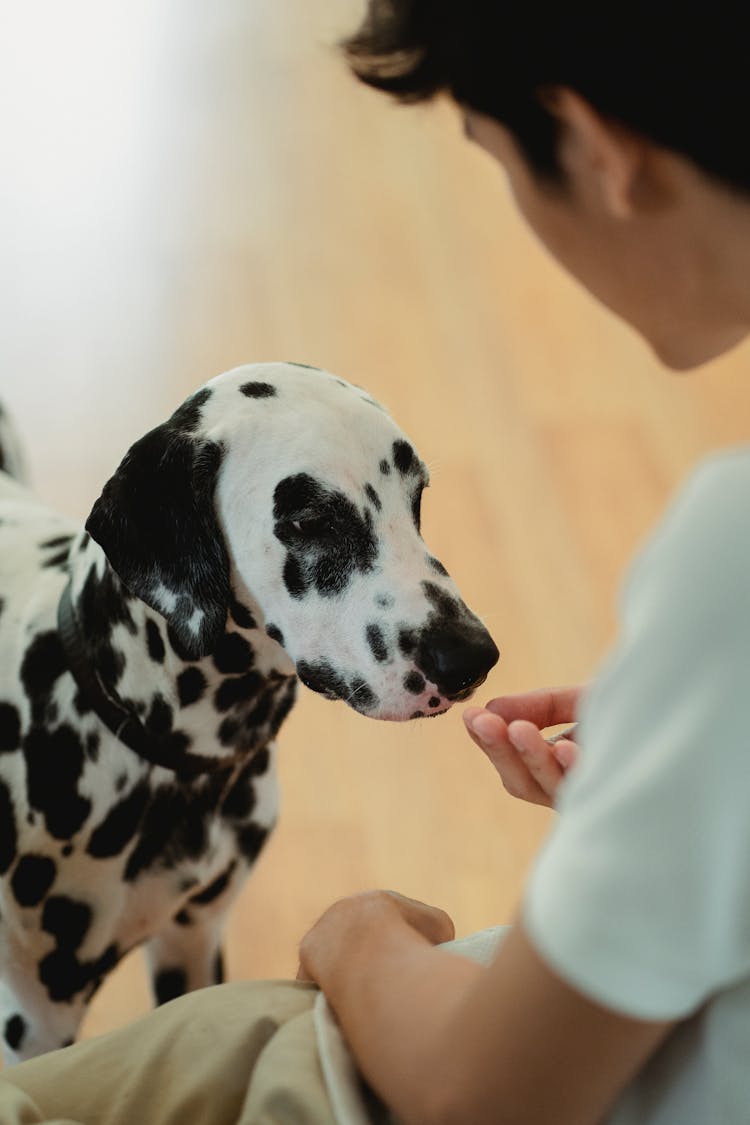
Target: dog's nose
{"type": "Point", "coordinates": [458, 662]}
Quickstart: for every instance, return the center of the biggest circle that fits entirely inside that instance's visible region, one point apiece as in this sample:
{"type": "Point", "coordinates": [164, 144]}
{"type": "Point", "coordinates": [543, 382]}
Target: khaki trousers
{"type": "Point", "coordinates": [236, 1054]}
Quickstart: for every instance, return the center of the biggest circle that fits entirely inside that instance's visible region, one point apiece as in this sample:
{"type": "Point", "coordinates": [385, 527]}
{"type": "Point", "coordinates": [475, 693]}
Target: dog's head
{"type": "Point", "coordinates": [295, 488]}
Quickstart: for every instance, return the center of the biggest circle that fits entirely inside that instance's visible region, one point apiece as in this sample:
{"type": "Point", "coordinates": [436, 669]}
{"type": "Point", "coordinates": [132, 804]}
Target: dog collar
{"type": "Point", "coordinates": [108, 706]}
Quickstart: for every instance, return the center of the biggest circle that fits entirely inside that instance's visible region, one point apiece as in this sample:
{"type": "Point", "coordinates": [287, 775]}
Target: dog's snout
{"type": "Point", "coordinates": [458, 662]}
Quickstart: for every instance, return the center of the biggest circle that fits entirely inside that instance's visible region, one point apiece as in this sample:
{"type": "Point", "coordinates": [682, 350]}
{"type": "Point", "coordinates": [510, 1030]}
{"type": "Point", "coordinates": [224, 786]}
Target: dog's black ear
{"type": "Point", "coordinates": [156, 523]}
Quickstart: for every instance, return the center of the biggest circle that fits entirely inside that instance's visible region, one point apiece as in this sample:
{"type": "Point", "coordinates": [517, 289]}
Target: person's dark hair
{"type": "Point", "coordinates": [673, 71]}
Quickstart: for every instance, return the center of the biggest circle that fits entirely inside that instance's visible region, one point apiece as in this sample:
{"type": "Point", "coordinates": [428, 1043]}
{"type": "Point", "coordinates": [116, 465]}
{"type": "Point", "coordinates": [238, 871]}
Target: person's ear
{"type": "Point", "coordinates": [596, 152]}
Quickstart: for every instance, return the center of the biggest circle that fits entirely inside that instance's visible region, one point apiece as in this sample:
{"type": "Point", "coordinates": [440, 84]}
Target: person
{"type": "Point", "coordinates": [621, 993]}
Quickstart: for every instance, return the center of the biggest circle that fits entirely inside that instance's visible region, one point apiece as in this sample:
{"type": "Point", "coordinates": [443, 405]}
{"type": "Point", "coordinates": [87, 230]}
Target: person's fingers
{"type": "Point", "coordinates": [566, 752]}
{"type": "Point", "coordinates": [430, 921]}
{"type": "Point", "coordinates": [537, 755]}
{"type": "Point", "coordinates": [545, 708]}
{"type": "Point", "coordinates": [490, 734]}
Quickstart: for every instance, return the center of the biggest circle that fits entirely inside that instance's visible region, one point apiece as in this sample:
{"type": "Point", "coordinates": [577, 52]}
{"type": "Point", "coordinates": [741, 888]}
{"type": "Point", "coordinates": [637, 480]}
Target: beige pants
{"type": "Point", "coordinates": [237, 1054]}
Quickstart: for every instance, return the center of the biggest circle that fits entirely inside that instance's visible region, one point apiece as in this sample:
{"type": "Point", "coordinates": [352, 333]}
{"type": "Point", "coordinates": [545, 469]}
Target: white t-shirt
{"type": "Point", "coordinates": [640, 898]}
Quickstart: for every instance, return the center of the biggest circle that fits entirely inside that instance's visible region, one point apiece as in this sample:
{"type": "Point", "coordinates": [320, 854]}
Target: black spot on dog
{"type": "Point", "coordinates": [191, 686]}
{"type": "Point", "coordinates": [66, 850]}
{"type": "Point", "coordinates": [182, 918]}
{"type": "Point", "coordinates": [174, 826]}
{"type": "Point", "coordinates": [110, 663]}
{"type": "Point", "coordinates": [187, 417]}
{"type": "Point", "coordinates": [228, 731]}
{"type": "Point", "coordinates": [404, 457]}
{"type": "Point", "coordinates": [169, 984]}
{"type": "Point", "coordinates": [120, 824]}
{"type": "Point", "coordinates": [42, 666]}
{"type": "Point", "coordinates": [58, 560]}
{"type": "Point", "coordinates": [262, 709]}
{"type": "Point", "coordinates": [448, 607]}
{"type": "Point", "coordinates": [362, 697]}
{"type": "Point", "coordinates": [92, 746]}
{"type": "Point", "coordinates": [216, 888]}
{"type": "Point", "coordinates": [250, 840]}
{"type": "Point", "coordinates": [219, 975]}
{"type": "Point", "coordinates": [237, 689]}
{"type": "Point", "coordinates": [54, 763]}
{"type": "Point", "coordinates": [294, 580]}
{"type": "Point", "coordinates": [385, 468]}
{"type": "Point", "coordinates": [417, 715]}
{"type": "Point", "coordinates": [240, 800]}
{"type": "Point", "coordinates": [275, 634]}
{"type": "Point", "coordinates": [8, 831]}
{"type": "Point", "coordinates": [322, 678]}
{"type": "Point", "coordinates": [14, 1031]}
{"type": "Point", "coordinates": [434, 701]}
{"type": "Point", "coordinates": [10, 728]}
{"type": "Point", "coordinates": [416, 509]}
{"type": "Point", "coordinates": [81, 704]}
{"type": "Point", "coordinates": [258, 390]}
{"type": "Point", "coordinates": [57, 541]}
{"type": "Point", "coordinates": [241, 615]}
{"type": "Point", "coordinates": [373, 497]}
{"type": "Point", "coordinates": [407, 641]}
{"type": "Point", "coordinates": [259, 763]}
{"type": "Point", "coordinates": [67, 920]}
{"type": "Point", "coordinates": [437, 566]}
{"type": "Point", "coordinates": [103, 603]}
{"type": "Point", "coordinates": [233, 654]}
{"type": "Point", "coordinates": [63, 975]}
{"type": "Point", "coordinates": [327, 537]}
{"type": "Point", "coordinates": [414, 682]}
{"type": "Point", "coordinates": [383, 601]}
{"type": "Point", "coordinates": [285, 705]}
{"type": "Point", "coordinates": [159, 719]}
{"type": "Point", "coordinates": [376, 641]}
{"type": "Point", "coordinates": [32, 878]}
{"type": "Point", "coordinates": [155, 642]}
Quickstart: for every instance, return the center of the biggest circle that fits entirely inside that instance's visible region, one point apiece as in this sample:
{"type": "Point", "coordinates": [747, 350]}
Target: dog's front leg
{"type": "Point", "coordinates": [183, 958]}
{"type": "Point", "coordinates": [186, 954]}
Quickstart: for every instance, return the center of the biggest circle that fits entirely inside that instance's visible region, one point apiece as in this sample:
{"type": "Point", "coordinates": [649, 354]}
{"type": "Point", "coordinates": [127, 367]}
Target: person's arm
{"type": "Point", "coordinates": [445, 1041]}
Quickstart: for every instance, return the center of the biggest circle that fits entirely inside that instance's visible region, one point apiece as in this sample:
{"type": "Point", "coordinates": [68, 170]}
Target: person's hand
{"type": "Point", "coordinates": [372, 914]}
{"type": "Point", "coordinates": [508, 730]}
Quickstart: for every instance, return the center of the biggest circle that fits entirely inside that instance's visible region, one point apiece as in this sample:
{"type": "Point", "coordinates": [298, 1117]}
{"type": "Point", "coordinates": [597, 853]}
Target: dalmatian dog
{"type": "Point", "coordinates": [267, 532]}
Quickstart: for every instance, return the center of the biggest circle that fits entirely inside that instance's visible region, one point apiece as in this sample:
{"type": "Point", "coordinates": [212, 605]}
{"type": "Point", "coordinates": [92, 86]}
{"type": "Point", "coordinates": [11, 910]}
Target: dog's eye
{"type": "Point", "coordinates": [311, 527]}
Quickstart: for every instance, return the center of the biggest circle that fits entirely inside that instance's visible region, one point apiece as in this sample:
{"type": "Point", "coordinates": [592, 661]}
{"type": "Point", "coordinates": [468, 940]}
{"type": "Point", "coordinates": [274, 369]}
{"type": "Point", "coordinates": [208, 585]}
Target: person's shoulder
{"type": "Point", "coordinates": [699, 554]}
{"type": "Point", "coordinates": [722, 476]}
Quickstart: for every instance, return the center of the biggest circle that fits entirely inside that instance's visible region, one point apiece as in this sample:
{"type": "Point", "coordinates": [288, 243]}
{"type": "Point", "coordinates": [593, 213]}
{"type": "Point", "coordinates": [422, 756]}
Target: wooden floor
{"type": "Point", "coordinates": [190, 186]}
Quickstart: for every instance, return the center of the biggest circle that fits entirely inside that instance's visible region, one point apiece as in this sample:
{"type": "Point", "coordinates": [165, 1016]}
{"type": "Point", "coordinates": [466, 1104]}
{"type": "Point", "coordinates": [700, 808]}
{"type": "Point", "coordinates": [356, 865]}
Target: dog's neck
{"type": "Point", "coordinates": [224, 707]}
